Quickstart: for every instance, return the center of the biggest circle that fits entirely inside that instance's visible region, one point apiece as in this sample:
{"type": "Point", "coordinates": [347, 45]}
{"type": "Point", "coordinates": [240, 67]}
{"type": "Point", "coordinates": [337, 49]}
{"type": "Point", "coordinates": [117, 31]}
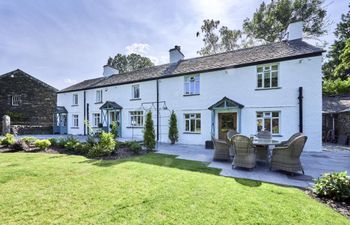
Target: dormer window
{"type": "Point", "coordinates": [99, 96]}
{"type": "Point", "coordinates": [267, 76]}
{"type": "Point", "coordinates": [191, 85]}
{"type": "Point", "coordinates": [75, 99]}
{"type": "Point", "coordinates": [16, 100]}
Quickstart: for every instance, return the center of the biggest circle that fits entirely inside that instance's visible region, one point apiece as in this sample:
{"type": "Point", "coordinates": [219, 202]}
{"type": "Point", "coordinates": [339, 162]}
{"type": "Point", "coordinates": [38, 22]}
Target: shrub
{"type": "Point", "coordinates": [71, 143]}
{"type": "Point", "coordinates": [135, 147]}
{"type": "Point", "coordinates": [173, 132]}
{"type": "Point", "coordinates": [334, 186]}
{"type": "Point", "coordinates": [54, 141]}
{"type": "Point", "coordinates": [82, 148]}
{"type": "Point", "coordinates": [114, 128]}
{"type": "Point", "coordinates": [104, 147]}
{"type": "Point", "coordinates": [20, 145]}
{"type": "Point", "coordinates": [29, 140]}
{"type": "Point", "coordinates": [42, 144]}
{"type": "Point", "coordinates": [148, 135]}
{"type": "Point", "coordinates": [61, 142]}
{"type": "Point", "coordinates": [8, 140]}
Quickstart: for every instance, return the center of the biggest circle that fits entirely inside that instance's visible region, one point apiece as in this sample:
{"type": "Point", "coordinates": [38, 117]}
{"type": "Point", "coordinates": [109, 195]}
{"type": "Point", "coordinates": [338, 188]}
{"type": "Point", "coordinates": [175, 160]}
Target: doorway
{"type": "Point", "coordinates": [227, 121]}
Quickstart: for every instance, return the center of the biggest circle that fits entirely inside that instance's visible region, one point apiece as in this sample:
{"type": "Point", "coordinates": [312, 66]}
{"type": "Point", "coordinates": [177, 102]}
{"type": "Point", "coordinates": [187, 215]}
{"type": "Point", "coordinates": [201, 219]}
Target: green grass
{"type": "Point", "coordinates": [153, 189]}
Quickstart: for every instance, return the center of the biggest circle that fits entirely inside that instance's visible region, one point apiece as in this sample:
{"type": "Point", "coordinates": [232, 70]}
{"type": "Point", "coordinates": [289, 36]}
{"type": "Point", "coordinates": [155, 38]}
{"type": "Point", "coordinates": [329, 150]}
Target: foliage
{"type": "Point", "coordinates": [114, 129]}
{"type": "Point", "coordinates": [126, 63]}
{"type": "Point", "coordinates": [336, 87]}
{"type": "Point", "coordinates": [271, 20]}
{"type": "Point", "coordinates": [29, 140]}
{"type": "Point", "coordinates": [333, 185]}
{"type": "Point", "coordinates": [8, 140]}
{"type": "Point", "coordinates": [104, 147]}
{"type": "Point", "coordinates": [342, 34]}
{"type": "Point", "coordinates": [42, 144]}
{"type": "Point", "coordinates": [149, 139]}
{"type": "Point", "coordinates": [71, 143]}
{"type": "Point", "coordinates": [343, 68]}
{"type": "Point", "coordinates": [61, 142]}
{"type": "Point", "coordinates": [173, 131]}
{"type": "Point", "coordinates": [132, 145]}
{"type": "Point", "coordinates": [53, 141]}
{"type": "Point", "coordinates": [20, 145]}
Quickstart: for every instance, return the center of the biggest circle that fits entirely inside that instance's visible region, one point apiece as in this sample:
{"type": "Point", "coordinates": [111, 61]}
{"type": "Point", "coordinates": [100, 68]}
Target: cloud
{"type": "Point", "coordinates": [70, 81]}
{"type": "Point", "coordinates": [138, 48]}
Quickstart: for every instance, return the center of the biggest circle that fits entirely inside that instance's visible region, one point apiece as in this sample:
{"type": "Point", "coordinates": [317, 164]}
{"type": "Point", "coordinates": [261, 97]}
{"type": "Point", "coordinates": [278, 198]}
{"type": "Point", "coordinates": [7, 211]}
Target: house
{"type": "Point", "coordinates": [336, 119]}
{"type": "Point", "coordinates": [276, 87]}
{"type": "Point", "coordinates": [29, 102]}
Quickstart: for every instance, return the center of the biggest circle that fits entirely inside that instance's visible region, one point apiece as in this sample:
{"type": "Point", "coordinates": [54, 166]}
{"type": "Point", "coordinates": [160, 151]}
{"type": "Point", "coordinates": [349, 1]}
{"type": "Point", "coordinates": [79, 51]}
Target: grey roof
{"type": "Point", "coordinates": [61, 109]}
{"type": "Point", "coordinates": [111, 105]}
{"type": "Point", "coordinates": [237, 58]}
{"type": "Point", "coordinates": [336, 104]}
{"type": "Point", "coordinates": [225, 102]}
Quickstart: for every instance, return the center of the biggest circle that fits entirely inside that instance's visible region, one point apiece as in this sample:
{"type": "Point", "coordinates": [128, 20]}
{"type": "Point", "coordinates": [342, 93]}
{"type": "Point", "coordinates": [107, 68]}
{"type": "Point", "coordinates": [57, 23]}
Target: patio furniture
{"type": "Point", "coordinates": [221, 149]}
{"type": "Point", "coordinates": [262, 151]}
{"type": "Point", "coordinates": [244, 152]}
{"type": "Point", "coordinates": [229, 135]}
{"type": "Point", "coordinates": [285, 143]}
{"type": "Point", "coordinates": [287, 158]}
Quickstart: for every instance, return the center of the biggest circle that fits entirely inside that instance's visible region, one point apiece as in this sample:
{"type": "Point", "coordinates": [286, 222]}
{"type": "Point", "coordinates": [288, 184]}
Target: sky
{"type": "Point", "coordinates": [64, 42]}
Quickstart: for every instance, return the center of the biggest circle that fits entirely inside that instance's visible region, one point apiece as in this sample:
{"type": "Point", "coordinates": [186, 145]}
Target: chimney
{"type": "Point", "coordinates": [109, 71]}
{"type": "Point", "coordinates": [175, 54]}
{"type": "Point", "coordinates": [294, 31]}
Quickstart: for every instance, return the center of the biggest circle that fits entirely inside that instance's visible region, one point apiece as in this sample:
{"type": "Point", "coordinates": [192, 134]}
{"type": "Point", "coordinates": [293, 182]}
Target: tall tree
{"type": "Point", "coordinates": [342, 33]}
{"type": "Point", "coordinates": [271, 20]}
{"type": "Point", "coordinates": [126, 63]}
{"type": "Point", "coordinates": [229, 38]}
{"type": "Point", "coordinates": [149, 139]}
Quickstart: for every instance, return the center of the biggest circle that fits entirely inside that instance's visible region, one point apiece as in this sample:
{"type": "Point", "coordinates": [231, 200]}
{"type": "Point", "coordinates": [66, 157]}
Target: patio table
{"type": "Point", "coordinates": [266, 142]}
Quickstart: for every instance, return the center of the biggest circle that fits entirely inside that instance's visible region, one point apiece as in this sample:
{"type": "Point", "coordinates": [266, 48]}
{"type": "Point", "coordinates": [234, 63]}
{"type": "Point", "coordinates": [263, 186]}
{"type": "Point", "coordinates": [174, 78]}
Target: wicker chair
{"type": "Point", "coordinates": [229, 137]}
{"type": "Point", "coordinates": [244, 152]}
{"type": "Point", "coordinates": [221, 149]}
{"type": "Point", "coordinates": [262, 151]}
{"type": "Point", "coordinates": [287, 158]}
{"type": "Point", "coordinates": [285, 143]}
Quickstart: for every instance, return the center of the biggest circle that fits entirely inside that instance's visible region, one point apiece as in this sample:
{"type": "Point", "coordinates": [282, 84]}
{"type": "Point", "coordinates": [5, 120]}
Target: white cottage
{"type": "Point", "coordinates": [276, 87]}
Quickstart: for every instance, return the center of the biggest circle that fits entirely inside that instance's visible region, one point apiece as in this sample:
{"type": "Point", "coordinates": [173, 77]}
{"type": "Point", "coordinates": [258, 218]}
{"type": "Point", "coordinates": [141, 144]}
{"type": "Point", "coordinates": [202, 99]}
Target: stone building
{"type": "Point", "coordinates": [29, 102]}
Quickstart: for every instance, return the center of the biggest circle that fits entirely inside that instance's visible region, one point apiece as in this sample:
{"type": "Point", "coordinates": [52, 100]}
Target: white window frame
{"type": "Point", "coordinates": [96, 118]}
{"type": "Point", "coordinates": [133, 87]}
{"type": "Point", "coordinates": [266, 69]}
{"type": "Point", "coordinates": [15, 100]}
{"type": "Point", "coordinates": [195, 118]}
{"type": "Point", "coordinates": [75, 120]}
{"type": "Point", "coordinates": [192, 85]}
{"type": "Point", "coordinates": [268, 115]}
{"type": "Point", "coordinates": [75, 99]}
{"type": "Point", "coordinates": [136, 118]}
{"type": "Point", "coordinates": [99, 96]}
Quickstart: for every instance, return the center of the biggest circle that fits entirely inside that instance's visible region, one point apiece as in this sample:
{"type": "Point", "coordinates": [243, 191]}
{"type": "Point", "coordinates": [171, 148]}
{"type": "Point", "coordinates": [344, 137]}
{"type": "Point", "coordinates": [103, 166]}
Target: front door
{"type": "Point", "coordinates": [114, 117]}
{"type": "Point", "coordinates": [227, 121]}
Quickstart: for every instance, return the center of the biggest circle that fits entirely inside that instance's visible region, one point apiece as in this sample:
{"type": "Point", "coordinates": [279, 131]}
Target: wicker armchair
{"type": "Point", "coordinates": [229, 137]}
{"type": "Point", "coordinates": [262, 151]}
{"type": "Point", "coordinates": [287, 158]}
{"type": "Point", "coordinates": [221, 149]}
{"type": "Point", "coordinates": [244, 152]}
{"type": "Point", "coordinates": [285, 143]}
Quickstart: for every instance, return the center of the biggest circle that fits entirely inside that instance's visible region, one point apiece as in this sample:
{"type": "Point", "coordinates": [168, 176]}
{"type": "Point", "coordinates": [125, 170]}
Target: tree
{"type": "Point", "coordinates": [336, 87]}
{"type": "Point", "coordinates": [127, 63]}
{"type": "Point", "coordinates": [342, 33]}
{"type": "Point", "coordinates": [149, 139]}
{"type": "Point", "coordinates": [343, 68]}
{"type": "Point", "coordinates": [229, 39]}
{"type": "Point", "coordinates": [173, 131]}
{"type": "Point", "coordinates": [271, 20]}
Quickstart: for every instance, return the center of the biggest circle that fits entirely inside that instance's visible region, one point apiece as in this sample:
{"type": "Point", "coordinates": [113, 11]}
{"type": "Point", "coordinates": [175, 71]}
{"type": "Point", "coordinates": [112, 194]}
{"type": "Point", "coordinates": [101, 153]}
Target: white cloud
{"type": "Point", "coordinates": [70, 81]}
{"type": "Point", "coordinates": [138, 48]}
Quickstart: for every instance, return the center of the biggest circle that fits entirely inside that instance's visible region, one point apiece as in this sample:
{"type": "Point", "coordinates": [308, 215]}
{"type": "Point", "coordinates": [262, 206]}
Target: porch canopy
{"type": "Point", "coordinates": [110, 112]}
{"type": "Point", "coordinates": [110, 105]}
{"type": "Point", "coordinates": [60, 110]}
{"type": "Point", "coordinates": [225, 102]}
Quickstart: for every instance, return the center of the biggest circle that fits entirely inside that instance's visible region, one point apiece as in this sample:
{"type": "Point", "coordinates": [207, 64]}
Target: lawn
{"type": "Point", "coordinates": [38, 188]}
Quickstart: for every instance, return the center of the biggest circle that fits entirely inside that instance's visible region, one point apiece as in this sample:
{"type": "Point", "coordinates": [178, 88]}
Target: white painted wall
{"type": "Point", "coordinates": [237, 84]}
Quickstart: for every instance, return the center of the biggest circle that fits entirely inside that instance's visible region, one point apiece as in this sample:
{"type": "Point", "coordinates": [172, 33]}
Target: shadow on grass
{"type": "Point", "coordinates": [249, 183]}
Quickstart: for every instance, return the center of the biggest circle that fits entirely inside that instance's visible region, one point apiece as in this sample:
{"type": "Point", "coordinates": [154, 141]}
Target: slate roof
{"type": "Point", "coordinates": [111, 105]}
{"type": "Point", "coordinates": [238, 58]}
{"type": "Point", "coordinates": [336, 104]}
{"type": "Point", "coordinates": [225, 102]}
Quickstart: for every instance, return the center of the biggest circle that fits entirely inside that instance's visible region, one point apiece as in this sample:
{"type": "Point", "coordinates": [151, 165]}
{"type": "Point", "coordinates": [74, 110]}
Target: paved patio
{"type": "Point", "coordinates": [315, 164]}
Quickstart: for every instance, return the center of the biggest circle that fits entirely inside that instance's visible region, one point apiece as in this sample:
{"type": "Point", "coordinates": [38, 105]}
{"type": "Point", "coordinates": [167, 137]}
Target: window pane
{"type": "Point", "coordinates": [267, 124]}
{"type": "Point", "coordinates": [259, 124]}
{"type": "Point", "coordinates": [275, 114]}
{"type": "Point", "coordinates": [259, 69]}
{"type": "Point", "coordinates": [267, 79]}
{"type": "Point", "coordinates": [198, 126]}
{"type": "Point", "coordinates": [192, 128]}
{"type": "Point", "coordinates": [267, 68]}
{"type": "Point", "coordinates": [274, 79]}
{"type": "Point", "coordinates": [275, 126]}
{"type": "Point", "coordinates": [274, 67]}
{"type": "Point", "coordinates": [259, 80]}
{"type": "Point", "coordinates": [187, 125]}
{"type": "Point", "coordinates": [259, 114]}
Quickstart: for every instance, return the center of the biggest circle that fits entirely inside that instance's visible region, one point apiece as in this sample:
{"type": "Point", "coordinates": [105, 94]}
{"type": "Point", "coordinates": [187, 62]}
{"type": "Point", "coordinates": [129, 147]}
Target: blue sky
{"type": "Point", "coordinates": [64, 42]}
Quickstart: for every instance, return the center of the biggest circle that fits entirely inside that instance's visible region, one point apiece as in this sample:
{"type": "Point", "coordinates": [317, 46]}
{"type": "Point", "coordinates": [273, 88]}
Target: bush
{"type": "Point", "coordinates": [29, 140]}
{"type": "Point", "coordinates": [61, 142]}
{"type": "Point", "coordinates": [82, 148]}
{"type": "Point", "coordinates": [334, 186]}
{"type": "Point", "coordinates": [173, 132]}
{"type": "Point", "coordinates": [104, 147]}
{"type": "Point", "coordinates": [42, 144]}
{"type": "Point", "coordinates": [54, 141]}
{"type": "Point", "coordinates": [20, 145]}
{"type": "Point", "coordinates": [149, 139]}
{"type": "Point", "coordinates": [132, 145]}
{"type": "Point", "coordinates": [71, 143]}
{"type": "Point", "coordinates": [8, 140]}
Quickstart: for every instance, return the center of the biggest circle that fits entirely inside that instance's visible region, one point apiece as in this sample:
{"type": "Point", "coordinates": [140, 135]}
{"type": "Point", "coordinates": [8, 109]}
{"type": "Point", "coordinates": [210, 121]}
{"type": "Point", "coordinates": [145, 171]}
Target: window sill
{"type": "Point", "coordinates": [98, 102]}
{"type": "Point", "coordinates": [186, 95]}
{"type": "Point", "coordinates": [277, 135]}
{"type": "Point", "coordinates": [136, 127]}
{"type": "Point", "coordinates": [74, 128]}
{"type": "Point", "coordinates": [262, 89]}
{"type": "Point", "coordinates": [186, 132]}
{"type": "Point", "coordinates": [74, 105]}
{"type": "Point", "coordinates": [135, 99]}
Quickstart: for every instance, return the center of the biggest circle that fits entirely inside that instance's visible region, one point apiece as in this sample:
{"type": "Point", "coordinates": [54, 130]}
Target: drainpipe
{"type": "Point", "coordinates": [84, 112]}
{"type": "Point", "coordinates": [157, 110]}
{"type": "Point", "coordinates": [300, 98]}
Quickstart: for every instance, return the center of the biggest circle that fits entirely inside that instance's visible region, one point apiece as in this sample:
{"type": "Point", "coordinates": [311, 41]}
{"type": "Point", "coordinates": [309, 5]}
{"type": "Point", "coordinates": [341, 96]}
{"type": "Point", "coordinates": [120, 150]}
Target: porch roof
{"type": "Point", "coordinates": [110, 105]}
{"type": "Point", "coordinates": [225, 102]}
{"type": "Point", "coordinates": [61, 109]}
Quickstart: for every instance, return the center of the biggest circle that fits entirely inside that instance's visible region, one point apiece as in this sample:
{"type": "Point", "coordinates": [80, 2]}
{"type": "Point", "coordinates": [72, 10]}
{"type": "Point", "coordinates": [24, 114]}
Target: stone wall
{"type": "Point", "coordinates": [343, 123]}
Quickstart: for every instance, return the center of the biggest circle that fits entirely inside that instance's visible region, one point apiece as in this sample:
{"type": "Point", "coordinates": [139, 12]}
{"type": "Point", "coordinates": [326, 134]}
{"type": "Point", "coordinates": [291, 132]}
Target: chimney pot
{"type": "Point", "coordinates": [175, 54]}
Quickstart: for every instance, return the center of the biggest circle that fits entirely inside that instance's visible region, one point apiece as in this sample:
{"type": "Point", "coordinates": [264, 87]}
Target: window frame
{"type": "Point", "coordinates": [136, 114]}
{"type": "Point", "coordinates": [75, 97]}
{"type": "Point", "coordinates": [271, 118]}
{"type": "Point", "coordinates": [101, 96]}
{"type": "Point", "coordinates": [94, 119]}
{"type": "Point", "coordinates": [192, 117]}
{"type": "Point", "coordinates": [133, 91]}
{"type": "Point", "coordinates": [193, 86]}
{"type": "Point", "coordinates": [262, 74]}
{"type": "Point", "coordinates": [73, 120]}
{"type": "Point", "coordinates": [15, 100]}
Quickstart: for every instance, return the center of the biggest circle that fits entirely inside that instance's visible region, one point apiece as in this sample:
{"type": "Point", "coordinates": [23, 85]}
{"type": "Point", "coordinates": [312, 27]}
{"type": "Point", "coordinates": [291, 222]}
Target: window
{"type": "Point", "coordinates": [135, 91]}
{"type": "Point", "coordinates": [75, 99]}
{"type": "Point", "coordinates": [268, 121]}
{"type": "Point", "coordinates": [193, 122]}
{"type": "Point", "coordinates": [16, 100]}
{"type": "Point", "coordinates": [75, 120]}
{"type": "Point", "coordinates": [98, 96]}
{"type": "Point", "coordinates": [96, 119]}
{"type": "Point", "coordinates": [192, 85]}
{"type": "Point", "coordinates": [267, 76]}
{"type": "Point", "coordinates": [136, 118]}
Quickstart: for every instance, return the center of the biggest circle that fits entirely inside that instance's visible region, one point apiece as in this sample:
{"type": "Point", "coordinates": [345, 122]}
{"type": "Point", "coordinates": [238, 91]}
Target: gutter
{"type": "Point", "coordinates": [300, 98]}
